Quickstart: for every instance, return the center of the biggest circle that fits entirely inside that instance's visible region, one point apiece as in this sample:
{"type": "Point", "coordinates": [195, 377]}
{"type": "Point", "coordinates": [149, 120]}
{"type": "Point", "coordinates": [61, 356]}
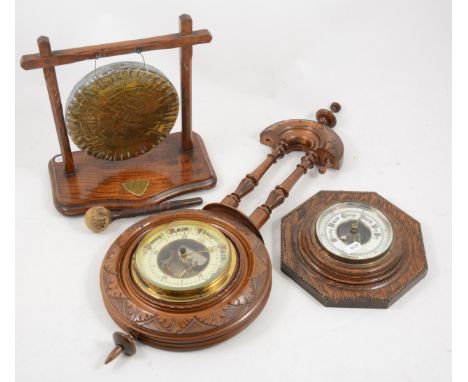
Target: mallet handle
{"type": "Point", "coordinates": [164, 206]}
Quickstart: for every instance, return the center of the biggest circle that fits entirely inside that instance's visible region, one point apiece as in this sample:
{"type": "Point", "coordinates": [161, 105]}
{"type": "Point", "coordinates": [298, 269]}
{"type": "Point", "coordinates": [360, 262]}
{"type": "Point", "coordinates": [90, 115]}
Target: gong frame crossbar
{"type": "Point", "coordinates": [180, 164]}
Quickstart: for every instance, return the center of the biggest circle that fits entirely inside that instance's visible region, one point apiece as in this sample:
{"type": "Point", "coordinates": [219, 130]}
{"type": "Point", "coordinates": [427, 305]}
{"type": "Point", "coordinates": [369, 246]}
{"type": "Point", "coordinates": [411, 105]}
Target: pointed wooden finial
{"type": "Point", "coordinates": [113, 354]}
{"type": "Point", "coordinates": [124, 343]}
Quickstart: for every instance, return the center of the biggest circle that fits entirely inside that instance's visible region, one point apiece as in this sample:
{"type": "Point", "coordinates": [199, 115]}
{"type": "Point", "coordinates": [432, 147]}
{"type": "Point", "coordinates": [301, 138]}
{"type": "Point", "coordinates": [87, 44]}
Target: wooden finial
{"type": "Point", "coordinates": [327, 117]}
{"type": "Point", "coordinates": [124, 343]}
{"type": "Point", "coordinates": [335, 107]}
{"type": "Point", "coordinates": [323, 169]}
{"type": "Point", "coordinates": [115, 352]}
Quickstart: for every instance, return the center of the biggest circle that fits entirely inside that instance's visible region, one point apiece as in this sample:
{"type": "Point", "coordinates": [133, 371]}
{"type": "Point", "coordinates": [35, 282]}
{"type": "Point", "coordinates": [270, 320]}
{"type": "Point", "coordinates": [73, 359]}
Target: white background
{"type": "Point", "coordinates": [387, 62]}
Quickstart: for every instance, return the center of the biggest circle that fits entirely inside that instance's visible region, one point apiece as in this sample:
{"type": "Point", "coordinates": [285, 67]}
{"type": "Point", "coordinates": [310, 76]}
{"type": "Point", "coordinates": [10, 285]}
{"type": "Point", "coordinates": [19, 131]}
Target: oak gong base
{"type": "Point", "coordinates": [162, 173]}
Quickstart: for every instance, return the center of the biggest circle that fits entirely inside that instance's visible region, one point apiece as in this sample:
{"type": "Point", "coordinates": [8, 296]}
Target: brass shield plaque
{"type": "Point", "coordinates": [136, 187]}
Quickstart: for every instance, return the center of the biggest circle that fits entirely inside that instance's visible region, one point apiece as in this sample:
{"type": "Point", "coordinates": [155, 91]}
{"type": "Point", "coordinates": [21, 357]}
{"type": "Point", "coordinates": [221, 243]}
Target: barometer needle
{"type": "Point", "coordinates": [204, 251]}
{"type": "Point", "coordinates": [186, 269]}
{"type": "Point", "coordinates": [355, 225]}
{"type": "Point", "coordinates": [360, 217]}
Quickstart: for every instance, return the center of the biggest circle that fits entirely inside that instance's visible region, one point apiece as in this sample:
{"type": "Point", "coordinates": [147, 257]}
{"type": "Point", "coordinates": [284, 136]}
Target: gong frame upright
{"type": "Point", "coordinates": [202, 176]}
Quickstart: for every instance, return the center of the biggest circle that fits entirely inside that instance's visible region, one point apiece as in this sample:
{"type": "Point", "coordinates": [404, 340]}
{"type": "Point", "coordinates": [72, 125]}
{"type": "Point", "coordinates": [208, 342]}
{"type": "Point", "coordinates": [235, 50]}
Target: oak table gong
{"type": "Point", "coordinates": [120, 116]}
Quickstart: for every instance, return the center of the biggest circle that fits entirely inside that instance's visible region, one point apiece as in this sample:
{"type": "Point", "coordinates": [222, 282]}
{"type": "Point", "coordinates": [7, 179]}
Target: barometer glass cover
{"type": "Point", "coordinates": [183, 260]}
{"type": "Point", "coordinates": [354, 231]}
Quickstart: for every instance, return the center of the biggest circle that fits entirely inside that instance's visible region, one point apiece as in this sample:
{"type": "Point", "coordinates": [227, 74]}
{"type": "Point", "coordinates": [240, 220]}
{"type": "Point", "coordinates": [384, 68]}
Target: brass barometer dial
{"type": "Point", "coordinates": [354, 231]}
{"type": "Point", "coordinates": [183, 260]}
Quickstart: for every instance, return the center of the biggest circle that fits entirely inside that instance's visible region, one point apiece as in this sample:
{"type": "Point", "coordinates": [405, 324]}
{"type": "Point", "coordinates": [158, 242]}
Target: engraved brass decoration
{"type": "Point", "coordinates": [136, 187]}
{"type": "Point", "coordinates": [121, 110]}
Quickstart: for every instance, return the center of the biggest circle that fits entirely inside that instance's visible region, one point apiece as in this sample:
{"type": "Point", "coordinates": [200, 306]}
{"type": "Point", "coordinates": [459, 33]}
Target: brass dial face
{"type": "Point", "coordinates": [354, 231]}
{"type": "Point", "coordinates": [183, 260]}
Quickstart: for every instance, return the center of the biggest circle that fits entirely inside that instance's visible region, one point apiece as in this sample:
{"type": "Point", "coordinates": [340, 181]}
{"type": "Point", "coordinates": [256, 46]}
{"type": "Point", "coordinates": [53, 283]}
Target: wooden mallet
{"type": "Point", "coordinates": [98, 218]}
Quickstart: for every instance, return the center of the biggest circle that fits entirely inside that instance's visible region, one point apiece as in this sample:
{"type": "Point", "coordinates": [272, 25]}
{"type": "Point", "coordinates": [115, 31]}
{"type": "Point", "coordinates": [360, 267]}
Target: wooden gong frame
{"type": "Point", "coordinates": [199, 324]}
{"type": "Point", "coordinates": [373, 283]}
{"type": "Point", "coordinates": [179, 165]}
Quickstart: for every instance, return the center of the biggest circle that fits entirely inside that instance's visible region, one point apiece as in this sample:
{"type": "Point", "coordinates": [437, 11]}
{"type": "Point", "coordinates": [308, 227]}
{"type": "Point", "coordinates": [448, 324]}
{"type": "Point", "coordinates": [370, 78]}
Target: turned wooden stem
{"type": "Point", "coordinates": [251, 180]}
{"type": "Point", "coordinates": [50, 76]}
{"type": "Point", "coordinates": [186, 83]}
{"type": "Point", "coordinates": [281, 191]}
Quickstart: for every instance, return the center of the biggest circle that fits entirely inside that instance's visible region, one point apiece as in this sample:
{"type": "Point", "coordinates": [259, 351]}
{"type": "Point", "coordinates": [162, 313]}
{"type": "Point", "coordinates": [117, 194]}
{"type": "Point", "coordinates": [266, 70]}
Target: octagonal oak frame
{"type": "Point", "coordinates": [180, 164]}
{"type": "Point", "coordinates": [207, 321]}
{"type": "Point", "coordinates": [376, 283]}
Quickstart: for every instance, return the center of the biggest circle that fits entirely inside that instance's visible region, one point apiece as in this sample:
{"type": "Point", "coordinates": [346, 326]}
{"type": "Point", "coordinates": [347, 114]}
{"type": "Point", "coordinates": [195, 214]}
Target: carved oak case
{"type": "Point", "coordinates": [373, 283]}
{"type": "Point", "coordinates": [193, 325]}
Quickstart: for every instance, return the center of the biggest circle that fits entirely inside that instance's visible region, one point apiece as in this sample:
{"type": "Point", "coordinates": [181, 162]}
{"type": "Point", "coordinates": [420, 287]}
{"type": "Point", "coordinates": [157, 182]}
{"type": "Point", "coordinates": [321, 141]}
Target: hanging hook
{"type": "Point", "coordinates": [139, 50]}
{"type": "Point", "coordinates": [95, 64]}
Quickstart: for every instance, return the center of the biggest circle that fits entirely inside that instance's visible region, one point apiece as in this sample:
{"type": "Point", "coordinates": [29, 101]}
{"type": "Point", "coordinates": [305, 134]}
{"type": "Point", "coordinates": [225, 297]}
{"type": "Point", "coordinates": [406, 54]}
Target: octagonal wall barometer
{"type": "Point", "coordinates": [120, 115]}
{"type": "Point", "coordinates": [193, 278]}
{"type": "Point", "coordinates": [352, 249]}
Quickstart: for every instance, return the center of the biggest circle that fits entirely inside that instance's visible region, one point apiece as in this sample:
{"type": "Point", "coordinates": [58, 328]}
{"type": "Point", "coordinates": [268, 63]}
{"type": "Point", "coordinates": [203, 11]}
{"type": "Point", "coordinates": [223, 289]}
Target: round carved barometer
{"type": "Point", "coordinates": [185, 280]}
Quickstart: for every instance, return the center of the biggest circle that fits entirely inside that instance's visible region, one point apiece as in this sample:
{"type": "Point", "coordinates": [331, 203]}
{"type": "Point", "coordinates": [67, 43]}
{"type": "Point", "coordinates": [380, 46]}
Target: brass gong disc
{"type": "Point", "coordinates": [121, 110]}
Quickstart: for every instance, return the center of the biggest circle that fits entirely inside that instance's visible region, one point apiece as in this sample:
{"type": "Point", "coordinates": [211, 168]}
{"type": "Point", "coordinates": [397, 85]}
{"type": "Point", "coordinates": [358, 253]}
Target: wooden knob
{"type": "Point", "coordinates": [327, 117]}
{"type": "Point", "coordinates": [323, 169]}
{"type": "Point", "coordinates": [335, 107]}
{"type": "Point", "coordinates": [98, 218]}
